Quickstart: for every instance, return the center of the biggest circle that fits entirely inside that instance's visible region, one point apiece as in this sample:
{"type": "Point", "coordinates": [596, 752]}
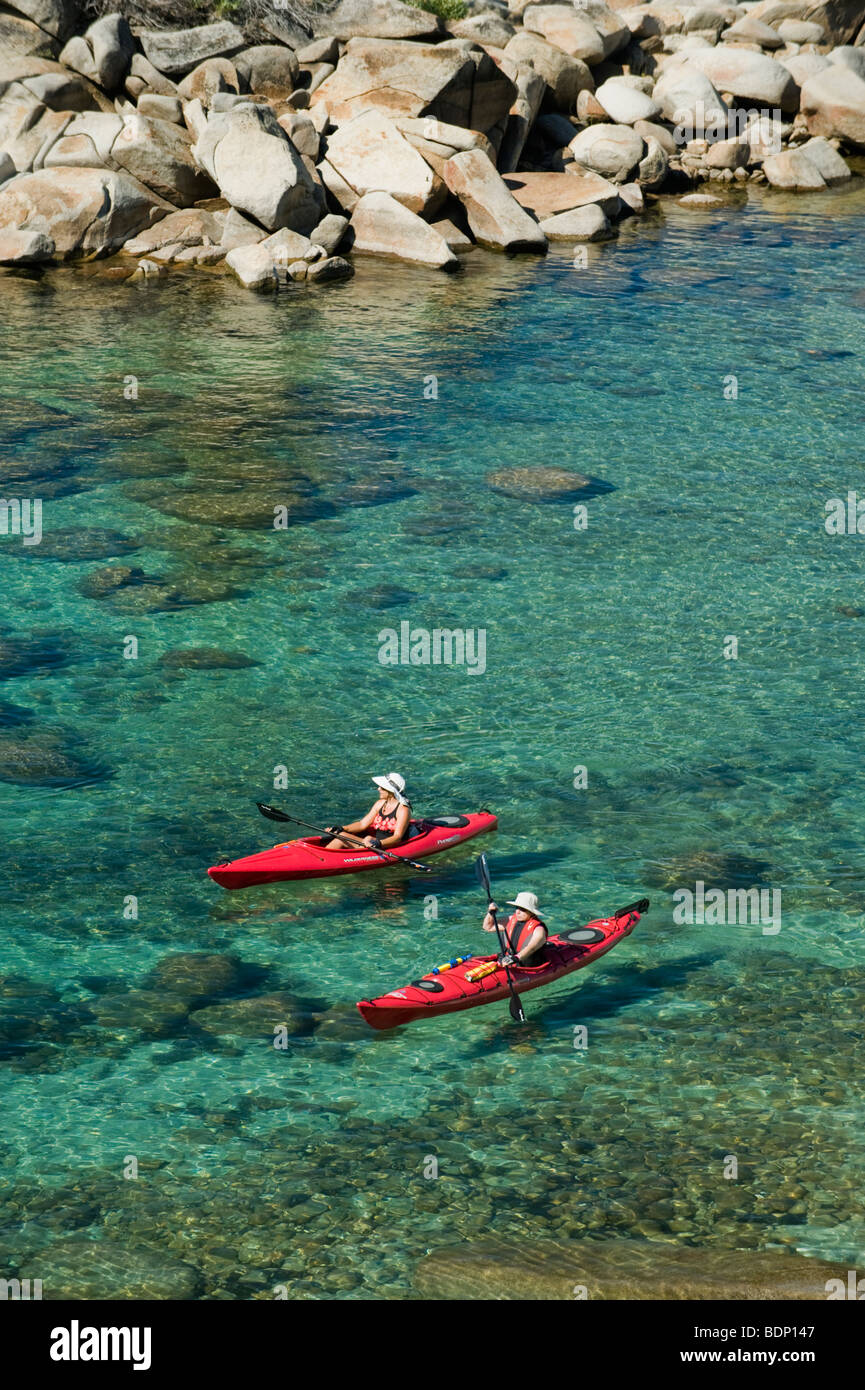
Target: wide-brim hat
{"type": "Point", "coordinates": [395, 784]}
{"type": "Point", "coordinates": [528, 902]}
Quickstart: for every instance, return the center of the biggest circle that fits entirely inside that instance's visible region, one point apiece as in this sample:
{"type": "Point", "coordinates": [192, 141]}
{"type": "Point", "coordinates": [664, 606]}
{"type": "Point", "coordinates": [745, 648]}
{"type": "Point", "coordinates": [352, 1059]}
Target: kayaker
{"type": "Point", "coordinates": [524, 931]}
{"type": "Point", "coordinates": [386, 823]}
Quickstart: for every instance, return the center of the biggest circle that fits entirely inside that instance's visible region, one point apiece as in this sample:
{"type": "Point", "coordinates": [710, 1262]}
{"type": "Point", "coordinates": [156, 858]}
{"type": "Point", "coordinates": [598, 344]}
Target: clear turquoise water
{"type": "Point", "coordinates": [604, 648]}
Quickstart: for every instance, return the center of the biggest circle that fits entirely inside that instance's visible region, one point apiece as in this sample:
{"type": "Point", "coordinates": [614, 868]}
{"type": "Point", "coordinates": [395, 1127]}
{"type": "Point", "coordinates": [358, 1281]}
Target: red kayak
{"type": "Point", "coordinates": [307, 858]}
{"type": "Point", "coordinates": [448, 990]}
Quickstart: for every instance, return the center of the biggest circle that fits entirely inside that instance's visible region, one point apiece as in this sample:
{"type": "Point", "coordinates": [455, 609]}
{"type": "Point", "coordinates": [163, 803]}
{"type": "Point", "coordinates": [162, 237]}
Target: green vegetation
{"type": "Point", "coordinates": [445, 9]}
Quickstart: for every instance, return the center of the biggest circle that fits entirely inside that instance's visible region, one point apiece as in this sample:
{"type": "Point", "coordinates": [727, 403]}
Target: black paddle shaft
{"type": "Point", "coordinates": [515, 1007]}
{"type": "Point", "coordinates": [273, 813]}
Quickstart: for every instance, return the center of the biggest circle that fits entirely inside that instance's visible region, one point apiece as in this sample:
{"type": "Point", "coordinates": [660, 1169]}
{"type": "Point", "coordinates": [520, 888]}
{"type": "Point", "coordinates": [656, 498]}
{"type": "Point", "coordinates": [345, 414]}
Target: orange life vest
{"type": "Point", "coordinates": [518, 934]}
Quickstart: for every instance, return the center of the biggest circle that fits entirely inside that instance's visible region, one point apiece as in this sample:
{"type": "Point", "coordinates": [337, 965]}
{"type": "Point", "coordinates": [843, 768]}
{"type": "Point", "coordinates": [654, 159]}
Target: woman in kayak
{"type": "Point", "coordinates": [525, 932]}
{"type": "Point", "coordinates": [384, 825]}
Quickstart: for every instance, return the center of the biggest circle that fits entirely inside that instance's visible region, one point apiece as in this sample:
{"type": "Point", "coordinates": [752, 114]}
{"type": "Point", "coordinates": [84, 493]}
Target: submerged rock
{"type": "Point", "coordinates": [23, 656]}
{"type": "Point", "coordinates": [342, 1023]}
{"type": "Point", "coordinates": [186, 590]}
{"type": "Point", "coordinates": [618, 1269]}
{"type": "Point", "coordinates": [108, 580]}
{"type": "Point", "coordinates": [249, 508]}
{"type": "Point", "coordinates": [197, 975]}
{"type": "Point", "coordinates": [381, 596]}
{"type": "Point", "coordinates": [81, 543]}
{"type": "Point", "coordinates": [206, 659]}
{"type": "Point", "coordinates": [43, 758]}
{"type": "Point", "coordinates": [84, 1270]}
{"type": "Point", "coordinates": [140, 1010]}
{"type": "Point", "coordinates": [539, 484]}
{"type": "Point", "coordinates": [255, 1017]}
{"type": "Point", "coordinates": [719, 869]}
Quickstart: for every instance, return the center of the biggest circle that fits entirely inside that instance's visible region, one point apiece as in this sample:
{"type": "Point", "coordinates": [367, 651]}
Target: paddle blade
{"type": "Point", "coordinates": [483, 873]}
{"type": "Point", "coordinates": [271, 812]}
{"type": "Point", "coordinates": [516, 1009]}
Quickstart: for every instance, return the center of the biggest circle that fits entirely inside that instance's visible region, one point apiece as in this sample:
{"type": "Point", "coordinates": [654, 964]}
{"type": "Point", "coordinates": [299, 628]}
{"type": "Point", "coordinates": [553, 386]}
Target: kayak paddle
{"type": "Point", "coordinates": [515, 1007]}
{"type": "Point", "coordinates": [273, 813]}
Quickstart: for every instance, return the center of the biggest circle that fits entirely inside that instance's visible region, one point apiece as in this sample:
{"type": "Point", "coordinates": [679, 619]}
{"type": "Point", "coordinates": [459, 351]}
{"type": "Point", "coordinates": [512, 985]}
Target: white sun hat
{"type": "Point", "coordinates": [393, 783]}
{"type": "Point", "coordinates": [528, 902]}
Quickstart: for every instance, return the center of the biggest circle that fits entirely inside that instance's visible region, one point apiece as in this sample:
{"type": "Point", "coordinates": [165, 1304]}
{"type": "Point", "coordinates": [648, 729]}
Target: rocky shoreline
{"type": "Point", "coordinates": [383, 129]}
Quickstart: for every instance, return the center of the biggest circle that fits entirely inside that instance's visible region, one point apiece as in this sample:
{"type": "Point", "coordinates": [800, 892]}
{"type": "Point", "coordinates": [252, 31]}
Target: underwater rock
{"type": "Point", "coordinates": [718, 868]}
{"type": "Point", "coordinates": [46, 479]}
{"type": "Point", "coordinates": [25, 655]}
{"type": "Point", "coordinates": [83, 1270]}
{"type": "Point", "coordinates": [108, 580]}
{"type": "Point", "coordinates": [541, 484]}
{"type": "Point", "coordinates": [80, 543]}
{"type": "Point", "coordinates": [31, 1011]}
{"type": "Point", "coordinates": [144, 1011]}
{"type": "Point", "coordinates": [618, 1269]}
{"type": "Point", "coordinates": [22, 987]}
{"type": "Point", "coordinates": [250, 508]}
{"type": "Point", "coordinates": [206, 659]}
{"type": "Point", "coordinates": [42, 759]}
{"type": "Point", "coordinates": [198, 975]}
{"type": "Point", "coordinates": [192, 587]}
{"type": "Point", "coordinates": [136, 593]}
{"type": "Point", "coordinates": [342, 1023]}
{"type": "Point", "coordinates": [381, 596]}
{"type": "Point", "coordinates": [255, 1017]}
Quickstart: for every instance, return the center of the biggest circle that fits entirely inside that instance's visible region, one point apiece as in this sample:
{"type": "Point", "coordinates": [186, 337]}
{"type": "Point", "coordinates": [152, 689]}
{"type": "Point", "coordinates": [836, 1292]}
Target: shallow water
{"type": "Point", "coordinates": [605, 649]}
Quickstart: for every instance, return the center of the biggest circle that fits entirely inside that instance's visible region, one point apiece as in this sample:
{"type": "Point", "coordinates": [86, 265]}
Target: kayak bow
{"type": "Point", "coordinates": [472, 983]}
{"type": "Point", "coordinates": [308, 858]}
